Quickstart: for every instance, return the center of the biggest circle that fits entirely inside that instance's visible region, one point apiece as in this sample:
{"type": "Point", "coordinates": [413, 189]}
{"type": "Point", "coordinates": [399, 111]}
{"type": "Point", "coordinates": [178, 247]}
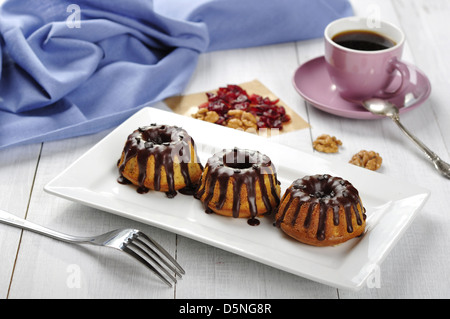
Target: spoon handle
{"type": "Point", "coordinates": [441, 166]}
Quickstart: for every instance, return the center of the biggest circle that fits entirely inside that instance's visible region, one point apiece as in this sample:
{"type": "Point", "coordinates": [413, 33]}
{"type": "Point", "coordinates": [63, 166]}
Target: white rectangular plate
{"type": "Point", "coordinates": [391, 205]}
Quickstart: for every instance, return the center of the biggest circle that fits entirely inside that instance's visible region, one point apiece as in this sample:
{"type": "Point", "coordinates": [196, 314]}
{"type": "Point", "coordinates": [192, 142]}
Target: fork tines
{"type": "Point", "coordinates": [154, 257]}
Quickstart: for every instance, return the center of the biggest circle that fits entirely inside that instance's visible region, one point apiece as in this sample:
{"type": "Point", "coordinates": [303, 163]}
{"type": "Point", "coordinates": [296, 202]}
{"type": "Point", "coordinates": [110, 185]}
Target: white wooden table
{"type": "Point", "coordinates": [33, 266]}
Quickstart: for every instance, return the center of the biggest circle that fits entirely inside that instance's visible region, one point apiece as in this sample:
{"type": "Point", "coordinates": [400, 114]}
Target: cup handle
{"type": "Point", "coordinates": [398, 65]}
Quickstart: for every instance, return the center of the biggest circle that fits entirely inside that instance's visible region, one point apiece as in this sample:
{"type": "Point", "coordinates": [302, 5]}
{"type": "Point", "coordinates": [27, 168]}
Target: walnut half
{"type": "Point", "coordinates": [367, 159]}
{"type": "Point", "coordinates": [327, 144]}
{"type": "Point", "coordinates": [242, 120]}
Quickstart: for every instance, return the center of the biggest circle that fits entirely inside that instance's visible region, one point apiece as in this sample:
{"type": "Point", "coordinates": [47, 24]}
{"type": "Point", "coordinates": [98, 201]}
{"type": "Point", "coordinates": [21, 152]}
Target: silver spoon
{"type": "Point", "coordinates": [385, 108]}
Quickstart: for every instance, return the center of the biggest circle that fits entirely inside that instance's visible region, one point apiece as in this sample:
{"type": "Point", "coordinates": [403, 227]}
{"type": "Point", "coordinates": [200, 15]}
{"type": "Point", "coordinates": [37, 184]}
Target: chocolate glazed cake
{"type": "Point", "coordinates": [240, 184]}
{"type": "Point", "coordinates": [321, 210]}
{"type": "Point", "coordinates": [161, 158]}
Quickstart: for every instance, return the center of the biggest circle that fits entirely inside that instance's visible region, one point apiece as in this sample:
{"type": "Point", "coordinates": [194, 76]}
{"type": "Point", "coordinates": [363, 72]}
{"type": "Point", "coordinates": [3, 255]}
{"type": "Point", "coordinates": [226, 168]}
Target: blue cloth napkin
{"type": "Point", "coordinates": [75, 67]}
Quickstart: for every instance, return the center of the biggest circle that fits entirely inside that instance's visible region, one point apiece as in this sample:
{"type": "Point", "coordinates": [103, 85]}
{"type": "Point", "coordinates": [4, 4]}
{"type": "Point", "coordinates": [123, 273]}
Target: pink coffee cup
{"type": "Point", "coordinates": [360, 74]}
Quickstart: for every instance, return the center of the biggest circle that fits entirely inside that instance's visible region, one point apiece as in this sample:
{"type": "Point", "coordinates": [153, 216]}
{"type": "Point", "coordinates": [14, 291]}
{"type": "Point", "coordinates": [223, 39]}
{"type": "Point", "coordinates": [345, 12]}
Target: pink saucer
{"type": "Point", "coordinates": [312, 82]}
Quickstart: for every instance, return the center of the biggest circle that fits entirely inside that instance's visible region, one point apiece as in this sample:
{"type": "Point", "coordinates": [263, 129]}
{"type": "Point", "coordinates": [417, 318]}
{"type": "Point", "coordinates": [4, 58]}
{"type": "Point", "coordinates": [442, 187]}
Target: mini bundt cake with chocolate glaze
{"type": "Point", "coordinates": [161, 158]}
{"type": "Point", "coordinates": [239, 183]}
{"type": "Point", "coordinates": [321, 210]}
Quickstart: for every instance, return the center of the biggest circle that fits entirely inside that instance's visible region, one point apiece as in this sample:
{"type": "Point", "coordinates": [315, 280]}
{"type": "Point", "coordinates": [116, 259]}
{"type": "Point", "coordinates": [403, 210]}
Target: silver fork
{"type": "Point", "coordinates": [131, 241]}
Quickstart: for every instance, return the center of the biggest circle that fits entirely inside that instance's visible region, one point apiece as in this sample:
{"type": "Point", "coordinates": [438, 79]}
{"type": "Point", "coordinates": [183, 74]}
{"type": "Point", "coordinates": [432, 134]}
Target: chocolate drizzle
{"type": "Point", "coordinates": [166, 144]}
{"type": "Point", "coordinates": [330, 193]}
{"type": "Point", "coordinates": [241, 167]}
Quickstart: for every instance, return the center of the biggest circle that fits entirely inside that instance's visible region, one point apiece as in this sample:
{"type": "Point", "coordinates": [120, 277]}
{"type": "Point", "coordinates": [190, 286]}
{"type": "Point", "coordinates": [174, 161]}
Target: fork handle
{"type": "Point", "coordinates": [13, 220]}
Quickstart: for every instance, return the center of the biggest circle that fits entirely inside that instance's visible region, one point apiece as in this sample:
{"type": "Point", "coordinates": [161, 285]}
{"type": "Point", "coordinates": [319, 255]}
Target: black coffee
{"type": "Point", "coordinates": [363, 40]}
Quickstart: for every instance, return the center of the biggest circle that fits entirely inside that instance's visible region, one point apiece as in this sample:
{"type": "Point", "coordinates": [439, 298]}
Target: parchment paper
{"type": "Point", "coordinates": [188, 104]}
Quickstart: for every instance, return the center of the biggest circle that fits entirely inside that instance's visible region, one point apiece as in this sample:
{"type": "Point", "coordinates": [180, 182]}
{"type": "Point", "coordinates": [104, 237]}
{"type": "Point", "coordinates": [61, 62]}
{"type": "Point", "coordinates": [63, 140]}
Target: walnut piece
{"type": "Point", "coordinates": [241, 120]}
{"type": "Point", "coordinates": [205, 115]}
{"type": "Point", "coordinates": [201, 113]}
{"type": "Point", "coordinates": [247, 116]}
{"type": "Point", "coordinates": [235, 123]}
{"type": "Point", "coordinates": [237, 119]}
{"type": "Point", "coordinates": [211, 116]}
{"type": "Point", "coordinates": [327, 144]}
{"type": "Point", "coordinates": [235, 113]}
{"type": "Point", "coordinates": [367, 159]}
